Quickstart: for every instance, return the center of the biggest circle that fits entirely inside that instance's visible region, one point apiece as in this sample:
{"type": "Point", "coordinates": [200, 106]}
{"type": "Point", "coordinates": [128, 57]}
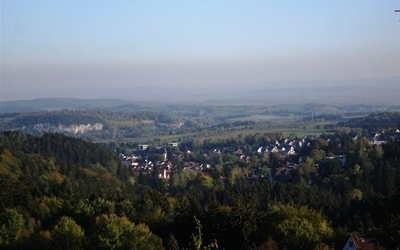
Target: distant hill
{"type": "Point", "coordinates": [70, 165]}
{"type": "Point", "coordinates": [60, 103]}
{"type": "Point", "coordinates": [90, 124]}
{"type": "Point", "coordinates": [374, 122]}
{"type": "Point", "coordinates": [338, 92]}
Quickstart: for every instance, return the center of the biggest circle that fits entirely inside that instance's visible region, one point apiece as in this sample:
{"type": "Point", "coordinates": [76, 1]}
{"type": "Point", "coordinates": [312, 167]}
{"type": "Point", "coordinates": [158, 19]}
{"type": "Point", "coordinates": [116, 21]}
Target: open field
{"type": "Point", "coordinates": [287, 132]}
{"type": "Point", "coordinates": [299, 132]}
{"type": "Point", "coordinates": [312, 125]}
{"type": "Point", "coordinates": [263, 117]}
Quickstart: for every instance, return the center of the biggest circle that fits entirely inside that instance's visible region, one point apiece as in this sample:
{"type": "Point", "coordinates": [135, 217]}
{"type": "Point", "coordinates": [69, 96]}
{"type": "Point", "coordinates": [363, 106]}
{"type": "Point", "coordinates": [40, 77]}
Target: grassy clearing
{"type": "Point", "coordinates": [313, 125]}
{"type": "Point", "coordinates": [265, 117]}
{"type": "Point", "coordinates": [286, 132]}
{"type": "Point", "coordinates": [301, 129]}
{"type": "Point", "coordinates": [174, 138]}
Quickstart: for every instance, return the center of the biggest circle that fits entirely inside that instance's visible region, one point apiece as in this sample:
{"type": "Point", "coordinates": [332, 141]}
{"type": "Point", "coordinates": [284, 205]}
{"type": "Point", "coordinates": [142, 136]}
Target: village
{"type": "Point", "coordinates": [270, 162]}
{"type": "Point", "coordinates": [287, 150]}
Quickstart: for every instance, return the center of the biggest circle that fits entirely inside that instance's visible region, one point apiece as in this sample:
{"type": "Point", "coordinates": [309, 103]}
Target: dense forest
{"type": "Point", "coordinates": [386, 120]}
{"type": "Point", "coordinates": [59, 192]}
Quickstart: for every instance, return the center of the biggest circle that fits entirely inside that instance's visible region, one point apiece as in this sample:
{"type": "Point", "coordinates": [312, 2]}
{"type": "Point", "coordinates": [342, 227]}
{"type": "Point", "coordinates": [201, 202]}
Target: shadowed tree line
{"type": "Point", "coordinates": [58, 192]}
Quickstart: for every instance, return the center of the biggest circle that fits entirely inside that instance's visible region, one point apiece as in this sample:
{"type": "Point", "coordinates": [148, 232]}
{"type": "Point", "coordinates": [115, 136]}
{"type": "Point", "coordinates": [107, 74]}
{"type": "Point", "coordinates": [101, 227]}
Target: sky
{"type": "Point", "coordinates": [55, 46]}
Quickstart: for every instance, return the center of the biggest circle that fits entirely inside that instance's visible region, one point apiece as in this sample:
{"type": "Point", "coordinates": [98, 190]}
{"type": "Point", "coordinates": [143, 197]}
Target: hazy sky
{"type": "Point", "coordinates": [57, 45]}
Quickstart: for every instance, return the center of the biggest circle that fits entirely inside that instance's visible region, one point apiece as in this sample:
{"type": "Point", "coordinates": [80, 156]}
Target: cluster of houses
{"type": "Point", "coordinates": [139, 160]}
{"type": "Point", "coordinates": [286, 148]}
{"type": "Point", "coordinates": [380, 137]}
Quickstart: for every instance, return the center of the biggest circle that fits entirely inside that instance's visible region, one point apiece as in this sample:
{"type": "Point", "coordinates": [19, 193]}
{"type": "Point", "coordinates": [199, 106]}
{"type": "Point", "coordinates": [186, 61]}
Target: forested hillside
{"type": "Point", "coordinates": [51, 183]}
{"type": "Point", "coordinates": [386, 120]}
{"type": "Point", "coordinates": [95, 125]}
{"type": "Point", "coordinates": [90, 124]}
{"type": "Point", "coordinates": [59, 192]}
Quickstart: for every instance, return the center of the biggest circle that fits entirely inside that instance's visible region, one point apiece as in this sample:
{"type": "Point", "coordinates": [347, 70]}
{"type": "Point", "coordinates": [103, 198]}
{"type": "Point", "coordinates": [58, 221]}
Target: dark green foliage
{"type": "Point", "coordinates": [113, 232]}
{"type": "Point", "coordinates": [63, 148]}
{"type": "Point", "coordinates": [298, 227]}
{"type": "Point", "coordinates": [11, 225]}
{"type": "Point", "coordinates": [373, 122]}
{"type": "Point", "coordinates": [58, 192]}
{"type": "Point", "coordinates": [67, 235]}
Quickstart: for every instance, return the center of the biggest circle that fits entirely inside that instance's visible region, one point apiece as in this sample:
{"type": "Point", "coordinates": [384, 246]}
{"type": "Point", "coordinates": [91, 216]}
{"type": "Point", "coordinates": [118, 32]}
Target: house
{"type": "Point", "coordinates": [374, 136]}
{"type": "Point", "coordinates": [379, 240]}
{"type": "Point", "coordinates": [238, 152]}
{"type": "Point", "coordinates": [377, 143]}
{"type": "Point", "coordinates": [173, 144]}
{"type": "Point", "coordinates": [274, 150]}
{"type": "Point", "coordinates": [291, 151]}
{"type": "Point", "coordinates": [207, 174]}
{"type": "Point", "coordinates": [164, 173]}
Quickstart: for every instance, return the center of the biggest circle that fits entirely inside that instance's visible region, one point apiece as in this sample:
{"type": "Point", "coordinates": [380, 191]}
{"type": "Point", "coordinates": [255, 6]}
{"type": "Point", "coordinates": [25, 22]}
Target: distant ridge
{"type": "Point", "coordinates": [358, 91]}
{"type": "Point", "coordinates": [40, 104]}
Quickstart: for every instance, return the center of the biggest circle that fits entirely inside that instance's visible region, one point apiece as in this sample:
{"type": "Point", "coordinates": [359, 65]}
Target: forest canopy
{"type": "Point", "coordinates": [60, 192]}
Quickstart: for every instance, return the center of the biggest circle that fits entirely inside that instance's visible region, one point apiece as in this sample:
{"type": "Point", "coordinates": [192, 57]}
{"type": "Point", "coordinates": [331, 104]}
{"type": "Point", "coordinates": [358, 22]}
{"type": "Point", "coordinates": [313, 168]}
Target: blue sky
{"type": "Point", "coordinates": [103, 44]}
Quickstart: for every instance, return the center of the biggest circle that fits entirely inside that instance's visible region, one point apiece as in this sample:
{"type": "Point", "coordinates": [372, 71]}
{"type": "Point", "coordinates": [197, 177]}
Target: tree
{"type": "Point", "coordinates": [330, 167]}
{"type": "Point", "coordinates": [12, 224]}
{"type": "Point", "coordinates": [234, 175]}
{"type": "Point", "coordinates": [298, 227]}
{"type": "Point", "coordinates": [113, 232]}
{"type": "Point", "coordinates": [181, 178]}
{"type": "Point", "coordinates": [66, 234]}
{"type": "Point", "coordinates": [378, 152]}
{"type": "Point", "coordinates": [172, 243]}
{"type": "Point", "coordinates": [83, 212]}
{"type": "Point", "coordinates": [103, 206]}
{"type": "Point", "coordinates": [317, 155]}
{"type": "Point", "coordinates": [254, 162]}
{"type": "Point", "coordinates": [217, 158]}
{"type": "Point", "coordinates": [197, 239]}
